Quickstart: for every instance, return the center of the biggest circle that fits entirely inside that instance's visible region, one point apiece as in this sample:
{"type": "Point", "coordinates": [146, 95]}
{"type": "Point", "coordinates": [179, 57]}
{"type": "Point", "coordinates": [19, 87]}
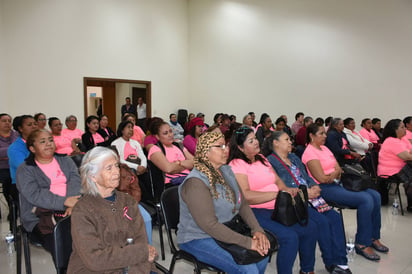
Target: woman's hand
{"type": "Point", "coordinates": [260, 243]}
{"type": "Point", "coordinates": [71, 201]}
{"type": "Point", "coordinates": [68, 212]}
{"type": "Point", "coordinates": [292, 191]}
{"type": "Point", "coordinates": [313, 192]}
{"type": "Point", "coordinates": [140, 170]}
{"type": "Point", "coordinates": [152, 253]}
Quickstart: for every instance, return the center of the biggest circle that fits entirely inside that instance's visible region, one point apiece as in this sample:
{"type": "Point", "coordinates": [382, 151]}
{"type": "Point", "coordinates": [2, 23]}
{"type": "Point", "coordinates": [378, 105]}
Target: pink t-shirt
{"type": "Point", "coordinates": [173, 154]}
{"type": "Point", "coordinates": [57, 178]}
{"type": "Point", "coordinates": [128, 150]}
{"type": "Point", "coordinates": [389, 162]}
{"type": "Point", "coordinates": [97, 138]}
{"type": "Point", "coordinates": [63, 144]}
{"type": "Point", "coordinates": [150, 140]}
{"type": "Point", "coordinates": [369, 135]}
{"type": "Point", "coordinates": [325, 157]}
{"type": "Point", "coordinates": [261, 178]}
{"type": "Point", "coordinates": [72, 134]}
{"type": "Point", "coordinates": [138, 134]}
{"type": "Point", "coordinates": [406, 139]}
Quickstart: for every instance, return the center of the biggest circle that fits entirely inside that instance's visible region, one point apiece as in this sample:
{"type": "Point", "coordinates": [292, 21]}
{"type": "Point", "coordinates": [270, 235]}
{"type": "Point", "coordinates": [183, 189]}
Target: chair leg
{"type": "Point", "coordinates": [172, 264]}
{"type": "Point", "coordinates": [159, 221]}
{"type": "Point", "coordinates": [17, 245]}
{"type": "Point", "coordinates": [26, 249]}
{"type": "Point", "coordinates": [343, 225]}
{"type": "Point", "coordinates": [399, 196]}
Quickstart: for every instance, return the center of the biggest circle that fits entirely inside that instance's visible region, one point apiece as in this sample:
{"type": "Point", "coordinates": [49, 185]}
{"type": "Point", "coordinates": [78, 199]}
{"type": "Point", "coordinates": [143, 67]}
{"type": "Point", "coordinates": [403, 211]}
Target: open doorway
{"type": "Point", "coordinates": [112, 93]}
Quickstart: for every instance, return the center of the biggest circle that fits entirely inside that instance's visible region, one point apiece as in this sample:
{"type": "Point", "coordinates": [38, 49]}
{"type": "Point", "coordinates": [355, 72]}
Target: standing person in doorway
{"type": "Point", "coordinates": [128, 107]}
{"type": "Point", "coordinates": [141, 113]}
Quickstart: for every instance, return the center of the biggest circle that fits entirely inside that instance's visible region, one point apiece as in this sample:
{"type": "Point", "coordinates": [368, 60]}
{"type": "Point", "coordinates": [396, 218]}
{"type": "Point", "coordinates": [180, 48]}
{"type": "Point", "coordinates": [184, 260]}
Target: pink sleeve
{"type": "Point", "coordinates": [152, 150]}
{"type": "Point", "coordinates": [396, 145]}
{"type": "Point", "coordinates": [239, 166]}
{"type": "Point", "coordinates": [308, 155]}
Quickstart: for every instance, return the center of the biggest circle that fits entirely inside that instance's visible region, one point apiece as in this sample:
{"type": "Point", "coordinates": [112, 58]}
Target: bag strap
{"type": "Point", "coordinates": [287, 168]}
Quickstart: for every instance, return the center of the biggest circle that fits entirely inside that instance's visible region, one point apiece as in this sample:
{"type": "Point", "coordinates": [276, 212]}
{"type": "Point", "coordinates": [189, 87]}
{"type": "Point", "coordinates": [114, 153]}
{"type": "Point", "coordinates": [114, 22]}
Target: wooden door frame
{"type": "Point", "coordinates": [148, 91]}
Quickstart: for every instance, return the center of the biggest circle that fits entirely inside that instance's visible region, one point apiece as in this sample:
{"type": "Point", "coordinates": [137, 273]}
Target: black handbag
{"type": "Point", "coordinates": [291, 210]}
{"type": "Point", "coordinates": [240, 254]}
{"type": "Point", "coordinates": [355, 178]}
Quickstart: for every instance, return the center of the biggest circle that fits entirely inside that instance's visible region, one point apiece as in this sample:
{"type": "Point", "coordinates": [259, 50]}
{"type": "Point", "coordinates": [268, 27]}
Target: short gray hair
{"type": "Point", "coordinates": [91, 166]}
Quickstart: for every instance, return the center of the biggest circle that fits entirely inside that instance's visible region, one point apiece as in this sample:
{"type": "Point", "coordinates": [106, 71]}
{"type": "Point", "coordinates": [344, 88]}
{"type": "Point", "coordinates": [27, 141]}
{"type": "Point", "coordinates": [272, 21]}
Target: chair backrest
{"type": "Point", "coordinates": [62, 244]}
{"type": "Point", "coordinates": [157, 182]}
{"type": "Point", "coordinates": [170, 208]}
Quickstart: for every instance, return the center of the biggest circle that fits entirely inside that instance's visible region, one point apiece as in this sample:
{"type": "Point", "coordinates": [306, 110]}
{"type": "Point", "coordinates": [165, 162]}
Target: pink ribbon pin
{"type": "Point", "coordinates": [125, 209]}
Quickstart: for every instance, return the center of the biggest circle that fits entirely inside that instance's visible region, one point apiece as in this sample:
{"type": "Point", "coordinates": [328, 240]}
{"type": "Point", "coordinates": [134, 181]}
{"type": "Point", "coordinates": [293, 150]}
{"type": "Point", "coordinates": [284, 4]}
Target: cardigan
{"type": "Point", "coordinates": [335, 143]}
{"type": "Point", "coordinates": [34, 188]}
{"type": "Point", "coordinates": [100, 229]}
{"type": "Point", "coordinates": [357, 142]}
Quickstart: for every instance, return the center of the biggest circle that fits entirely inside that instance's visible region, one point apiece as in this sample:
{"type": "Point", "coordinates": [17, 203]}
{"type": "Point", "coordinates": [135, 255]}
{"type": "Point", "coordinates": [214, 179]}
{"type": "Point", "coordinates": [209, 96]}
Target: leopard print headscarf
{"type": "Point", "coordinates": [202, 163]}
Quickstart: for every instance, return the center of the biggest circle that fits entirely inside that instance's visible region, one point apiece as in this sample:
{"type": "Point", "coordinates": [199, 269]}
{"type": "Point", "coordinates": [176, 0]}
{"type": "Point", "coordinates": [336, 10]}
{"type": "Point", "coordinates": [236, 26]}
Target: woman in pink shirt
{"type": "Point", "coordinates": [91, 137]}
{"type": "Point", "coordinates": [325, 170]}
{"type": "Point", "coordinates": [138, 133]}
{"type": "Point", "coordinates": [368, 133]}
{"type": "Point", "coordinates": [394, 152]}
{"type": "Point", "coordinates": [167, 157]}
{"type": "Point", "coordinates": [260, 185]}
{"type": "Point", "coordinates": [64, 145]}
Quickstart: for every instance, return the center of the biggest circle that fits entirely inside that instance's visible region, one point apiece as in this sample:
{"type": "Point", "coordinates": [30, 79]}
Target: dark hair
{"type": "Point", "coordinates": [237, 140]}
{"type": "Point", "coordinates": [279, 120]}
{"type": "Point", "coordinates": [33, 136]}
{"type": "Point", "coordinates": [225, 117]}
{"type": "Point", "coordinates": [390, 128]}
{"type": "Point", "coordinates": [121, 126]}
{"type": "Point", "coordinates": [263, 117]}
{"type": "Point", "coordinates": [153, 123]}
{"type": "Point", "coordinates": [407, 120]}
{"type": "Point", "coordinates": [19, 120]}
{"type": "Point", "coordinates": [347, 121]}
{"type": "Point", "coordinates": [193, 131]}
{"type": "Point", "coordinates": [364, 121]}
{"type": "Point", "coordinates": [299, 114]}
{"type": "Point", "coordinates": [51, 119]}
{"type": "Point", "coordinates": [4, 114]}
{"type": "Point", "coordinates": [217, 115]}
{"type": "Point", "coordinates": [267, 147]}
{"type": "Point", "coordinates": [251, 113]}
{"type": "Point", "coordinates": [312, 129]}
{"type": "Point", "coordinates": [127, 98]}
{"type": "Point", "coordinates": [104, 115]}
{"type": "Point", "coordinates": [375, 120]}
{"type": "Point", "coordinates": [232, 117]}
{"type": "Point", "coordinates": [319, 121]}
{"type": "Point", "coordinates": [171, 114]}
{"type": "Point", "coordinates": [127, 115]}
{"type": "Point", "coordinates": [37, 115]}
{"type": "Point", "coordinates": [88, 120]}
{"type": "Point", "coordinates": [327, 120]}
{"type": "Point", "coordinates": [157, 126]}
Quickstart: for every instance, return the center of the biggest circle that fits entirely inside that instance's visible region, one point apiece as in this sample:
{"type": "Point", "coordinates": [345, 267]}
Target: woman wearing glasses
{"type": "Point", "coordinates": [209, 197]}
{"type": "Point", "coordinates": [260, 186]}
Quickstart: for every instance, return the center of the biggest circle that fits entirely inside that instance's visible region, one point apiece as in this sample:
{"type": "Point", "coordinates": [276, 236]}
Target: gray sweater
{"type": "Point", "coordinates": [34, 188]}
{"type": "Point", "coordinates": [201, 216]}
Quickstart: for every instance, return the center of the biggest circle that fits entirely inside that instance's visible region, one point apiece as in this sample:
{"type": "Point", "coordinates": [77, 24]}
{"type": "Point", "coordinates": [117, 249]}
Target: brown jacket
{"type": "Point", "coordinates": [100, 229]}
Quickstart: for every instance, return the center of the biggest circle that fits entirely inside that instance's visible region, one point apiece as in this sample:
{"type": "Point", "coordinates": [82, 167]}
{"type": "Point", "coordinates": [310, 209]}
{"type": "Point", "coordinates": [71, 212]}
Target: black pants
{"type": "Point", "coordinates": [142, 123]}
{"type": "Point", "coordinates": [46, 240]}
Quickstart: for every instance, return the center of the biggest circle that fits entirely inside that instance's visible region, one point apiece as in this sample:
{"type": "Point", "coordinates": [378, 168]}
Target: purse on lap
{"type": "Point", "coordinates": [291, 210]}
{"type": "Point", "coordinates": [355, 178]}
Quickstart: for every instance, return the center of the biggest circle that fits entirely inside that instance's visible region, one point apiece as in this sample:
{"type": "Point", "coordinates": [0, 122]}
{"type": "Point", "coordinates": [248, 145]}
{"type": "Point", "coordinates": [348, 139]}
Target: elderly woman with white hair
{"type": "Point", "coordinates": [107, 228]}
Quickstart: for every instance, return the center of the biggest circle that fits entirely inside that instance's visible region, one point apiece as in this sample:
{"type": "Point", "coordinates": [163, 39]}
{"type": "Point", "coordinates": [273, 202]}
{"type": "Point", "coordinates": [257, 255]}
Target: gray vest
{"type": "Point", "coordinates": [188, 230]}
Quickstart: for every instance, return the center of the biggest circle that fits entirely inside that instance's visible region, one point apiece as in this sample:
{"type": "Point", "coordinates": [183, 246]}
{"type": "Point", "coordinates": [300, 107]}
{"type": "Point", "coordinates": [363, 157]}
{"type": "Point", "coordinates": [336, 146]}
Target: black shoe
{"type": "Point", "coordinates": [361, 251]}
{"type": "Point", "coordinates": [381, 248]}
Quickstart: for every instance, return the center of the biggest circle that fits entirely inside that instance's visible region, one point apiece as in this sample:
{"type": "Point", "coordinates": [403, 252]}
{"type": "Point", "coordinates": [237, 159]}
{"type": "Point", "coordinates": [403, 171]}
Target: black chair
{"type": "Point", "coordinates": [385, 183]}
{"type": "Point", "coordinates": [62, 244]}
{"type": "Point", "coordinates": [340, 209]}
{"type": "Point", "coordinates": [170, 207]}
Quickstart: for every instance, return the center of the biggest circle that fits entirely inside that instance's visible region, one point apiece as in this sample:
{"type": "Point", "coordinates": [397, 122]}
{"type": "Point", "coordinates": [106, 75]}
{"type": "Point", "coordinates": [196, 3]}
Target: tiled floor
{"type": "Point", "coordinates": [396, 233]}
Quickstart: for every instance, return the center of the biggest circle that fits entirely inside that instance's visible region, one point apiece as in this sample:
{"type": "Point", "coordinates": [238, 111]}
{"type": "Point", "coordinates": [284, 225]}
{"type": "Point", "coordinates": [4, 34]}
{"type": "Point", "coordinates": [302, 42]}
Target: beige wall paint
{"type": "Point", "coordinates": [347, 58]}
{"type": "Point", "coordinates": [51, 45]}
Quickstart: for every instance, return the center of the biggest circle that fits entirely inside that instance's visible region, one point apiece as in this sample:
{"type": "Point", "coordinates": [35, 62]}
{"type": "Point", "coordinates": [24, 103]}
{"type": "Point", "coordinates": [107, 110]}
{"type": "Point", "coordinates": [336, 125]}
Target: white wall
{"type": "Point", "coordinates": [49, 46]}
{"type": "Point", "coordinates": [3, 93]}
{"type": "Point", "coordinates": [347, 58]}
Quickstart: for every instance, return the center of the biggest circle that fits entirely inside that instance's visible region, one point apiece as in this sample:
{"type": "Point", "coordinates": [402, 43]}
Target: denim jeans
{"type": "Point", "coordinates": [330, 236]}
{"type": "Point", "coordinates": [291, 240]}
{"type": "Point", "coordinates": [368, 205]}
{"type": "Point", "coordinates": [207, 251]}
{"type": "Point", "coordinates": [147, 222]}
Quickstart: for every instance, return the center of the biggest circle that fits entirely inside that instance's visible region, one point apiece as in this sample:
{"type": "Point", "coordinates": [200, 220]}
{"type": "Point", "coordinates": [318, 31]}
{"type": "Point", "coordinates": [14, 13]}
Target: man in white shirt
{"type": "Point", "coordinates": [141, 113]}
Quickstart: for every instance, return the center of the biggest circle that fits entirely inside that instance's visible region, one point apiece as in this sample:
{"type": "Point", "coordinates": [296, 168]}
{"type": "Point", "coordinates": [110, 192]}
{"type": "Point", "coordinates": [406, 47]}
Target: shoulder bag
{"type": "Point", "coordinates": [355, 178]}
{"type": "Point", "coordinates": [291, 210]}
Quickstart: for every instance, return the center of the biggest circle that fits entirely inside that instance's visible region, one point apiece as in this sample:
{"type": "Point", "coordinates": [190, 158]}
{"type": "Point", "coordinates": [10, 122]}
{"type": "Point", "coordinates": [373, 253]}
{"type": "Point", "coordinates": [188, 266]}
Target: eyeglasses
{"type": "Point", "coordinates": [223, 147]}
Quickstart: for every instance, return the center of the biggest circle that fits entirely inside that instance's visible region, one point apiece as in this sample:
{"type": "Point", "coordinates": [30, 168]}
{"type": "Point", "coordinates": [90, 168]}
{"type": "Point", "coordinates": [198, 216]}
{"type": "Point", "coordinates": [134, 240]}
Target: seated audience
{"type": "Point", "coordinates": [91, 137]}
{"type": "Point", "coordinates": [247, 121]}
{"type": "Point", "coordinates": [7, 137]}
{"type": "Point", "coordinates": [338, 143]}
{"type": "Point", "coordinates": [225, 123]}
{"type": "Point", "coordinates": [298, 122]}
{"type": "Point", "coordinates": [264, 128]}
{"type": "Point", "coordinates": [260, 186]}
{"type": "Point", "coordinates": [325, 170]}
{"type": "Point", "coordinates": [280, 124]}
{"type": "Point", "coordinates": [152, 124]}
{"type": "Point", "coordinates": [104, 130]}
{"type": "Point", "coordinates": [209, 197]}
{"type": "Point", "coordinates": [130, 151]}
{"type": "Point", "coordinates": [217, 119]}
{"type": "Point", "coordinates": [177, 128]}
{"type": "Point", "coordinates": [319, 121]}
{"type": "Point", "coordinates": [393, 154]}
{"type": "Point", "coordinates": [41, 120]}
{"type": "Point", "coordinates": [138, 133]}
{"type": "Point", "coordinates": [356, 142]}
{"type": "Point", "coordinates": [367, 132]}
{"type": "Point", "coordinates": [195, 130]}
{"type": "Point", "coordinates": [47, 184]}
{"type": "Point", "coordinates": [72, 132]}
{"type": "Point", "coordinates": [169, 158]}
{"type": "Point", "coordinates": [330, 233]}
{"type": "Point", "coordinates": [377, 127]}
{"type": "Point", "coordinates": [287, 128]}
{"type": "Point", "coordinates": [108, 231]}
{"type": "Point", "coordinates": [64, 145]}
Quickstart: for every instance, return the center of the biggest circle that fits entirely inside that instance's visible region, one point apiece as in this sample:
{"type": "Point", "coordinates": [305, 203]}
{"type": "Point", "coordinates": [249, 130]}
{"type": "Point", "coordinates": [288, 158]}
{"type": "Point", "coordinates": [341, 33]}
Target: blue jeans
{"type": "Point", "coordinates": [291, 240]}
{"type": "Point", "coordinates": [147, 222]}
{"type": "Point", "coordinates": [208, 251]}
{"type": "Point", "coordinates": [368, 205]}
{"type": "Point", "coordinates": [330, 236]}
